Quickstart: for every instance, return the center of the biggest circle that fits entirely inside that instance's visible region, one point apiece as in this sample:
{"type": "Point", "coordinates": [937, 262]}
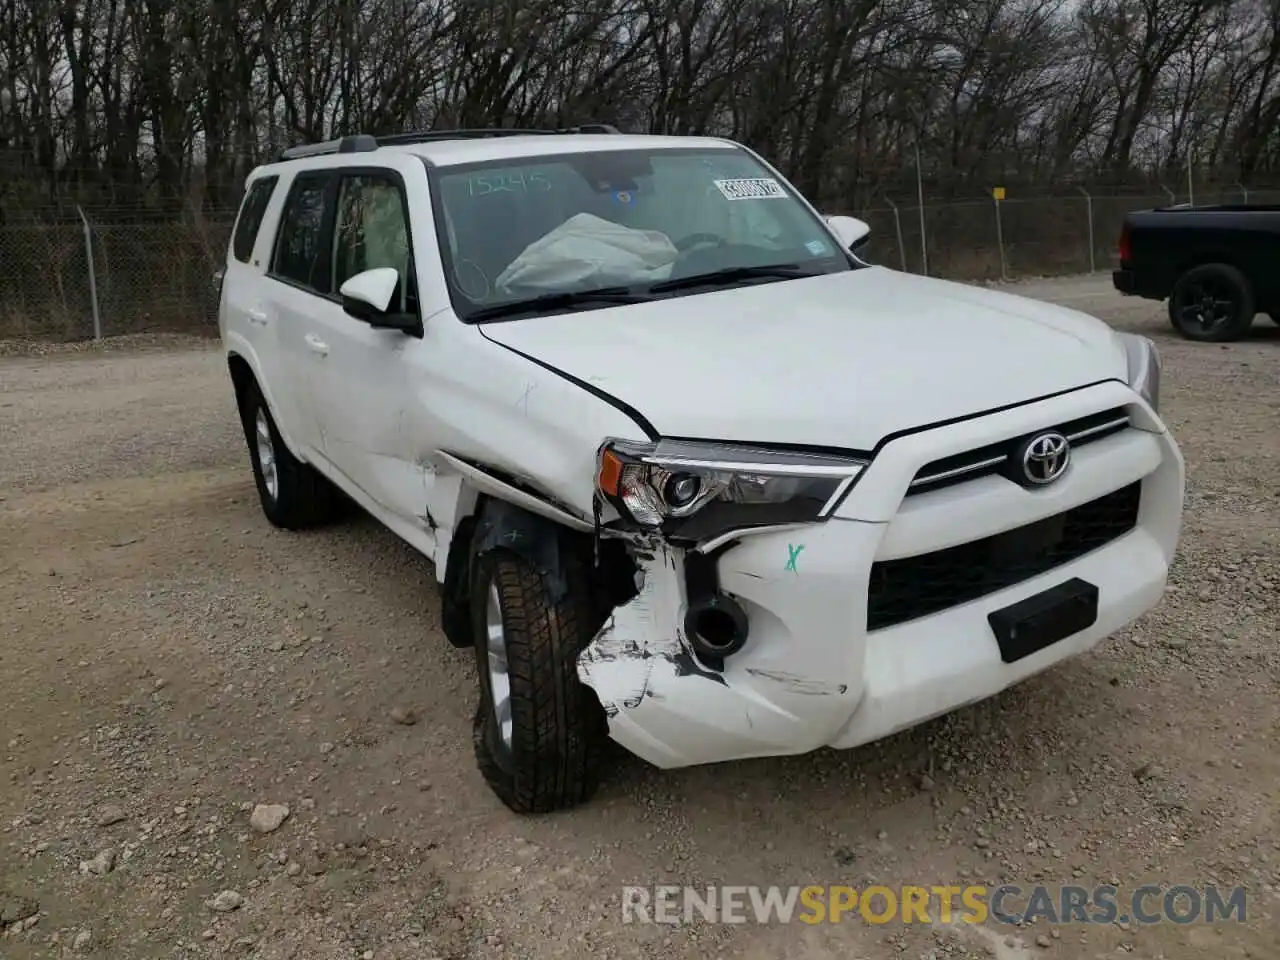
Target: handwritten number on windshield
{"type": "Point", "coordinates": [508, 183]}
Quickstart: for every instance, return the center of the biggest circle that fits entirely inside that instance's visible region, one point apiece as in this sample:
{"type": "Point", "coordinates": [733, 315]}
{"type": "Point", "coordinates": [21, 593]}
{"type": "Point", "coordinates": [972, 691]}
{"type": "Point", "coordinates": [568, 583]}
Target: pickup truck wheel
{"type": "Point", "coordinates": [539, 732]}
{"type": "Point", "coordinates": [1212, 302]}
{"type": "Point", "coordinates": [293, 495]}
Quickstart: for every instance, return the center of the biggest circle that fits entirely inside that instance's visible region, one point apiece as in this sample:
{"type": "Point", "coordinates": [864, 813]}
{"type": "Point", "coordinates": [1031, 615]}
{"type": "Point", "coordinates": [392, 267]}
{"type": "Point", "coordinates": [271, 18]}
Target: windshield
{"type": "Point", "coordinates": [549, 232]}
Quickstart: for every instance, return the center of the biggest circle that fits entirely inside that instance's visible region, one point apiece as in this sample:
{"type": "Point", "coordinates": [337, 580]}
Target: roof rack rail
{"type": "Point", "coordinates": [364, 143]}
{"type": "Point", "coordinates": [357, 143]}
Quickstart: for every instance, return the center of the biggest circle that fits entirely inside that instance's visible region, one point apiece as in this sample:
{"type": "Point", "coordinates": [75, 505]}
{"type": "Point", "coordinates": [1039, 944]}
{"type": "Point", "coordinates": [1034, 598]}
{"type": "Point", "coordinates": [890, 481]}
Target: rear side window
{"type": "Point", "coordinates": [302, 254]}
{"type": "Point", "coordinates": [252, 210]}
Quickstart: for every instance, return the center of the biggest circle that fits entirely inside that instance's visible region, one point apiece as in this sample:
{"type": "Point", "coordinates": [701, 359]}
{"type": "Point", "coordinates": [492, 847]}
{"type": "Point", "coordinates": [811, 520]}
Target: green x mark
{"type": "Point", "coordinates": [794, 552]}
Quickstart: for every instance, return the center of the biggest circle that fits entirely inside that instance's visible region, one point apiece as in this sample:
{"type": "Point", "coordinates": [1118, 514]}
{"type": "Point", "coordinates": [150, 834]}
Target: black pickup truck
{"type": "Point", "coordinates": [1217, 266]}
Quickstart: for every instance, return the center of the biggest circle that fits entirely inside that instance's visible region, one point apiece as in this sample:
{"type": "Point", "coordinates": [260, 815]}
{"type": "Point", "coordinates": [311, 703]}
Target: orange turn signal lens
{"type": "Point", "coordinates": [609, 478]}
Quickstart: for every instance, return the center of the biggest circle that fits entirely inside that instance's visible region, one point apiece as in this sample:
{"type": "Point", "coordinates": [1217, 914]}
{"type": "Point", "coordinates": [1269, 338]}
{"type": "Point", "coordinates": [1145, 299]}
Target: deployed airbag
{"type": "Point", "coordinates": [587, 251]}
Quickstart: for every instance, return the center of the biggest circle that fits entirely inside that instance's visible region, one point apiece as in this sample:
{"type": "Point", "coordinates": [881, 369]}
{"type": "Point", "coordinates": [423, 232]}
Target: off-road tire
{"type": "Point", "coordinates": [559, 731]}
{"type": "Point", "coordinates": [304, 498]}
{"type": "Point", "coordinates": [1222, 284]}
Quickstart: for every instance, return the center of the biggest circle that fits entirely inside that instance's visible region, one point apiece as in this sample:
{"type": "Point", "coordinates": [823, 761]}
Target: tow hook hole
{"type": "Point", "coordinates": [716, 626]}
{"type": "Point", "coordinates": [716, 629]}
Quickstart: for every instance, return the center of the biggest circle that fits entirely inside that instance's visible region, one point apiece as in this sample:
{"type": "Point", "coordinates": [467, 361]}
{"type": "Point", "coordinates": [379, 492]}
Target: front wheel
{"type": "Point", "coordinates": [539, 732]}
{"type": "Point", "coordinates": [1213, 303]}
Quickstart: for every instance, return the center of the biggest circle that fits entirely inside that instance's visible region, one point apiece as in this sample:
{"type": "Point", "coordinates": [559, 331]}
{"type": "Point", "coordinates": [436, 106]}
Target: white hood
{"type": "Point", "coordinates": [838, 361]}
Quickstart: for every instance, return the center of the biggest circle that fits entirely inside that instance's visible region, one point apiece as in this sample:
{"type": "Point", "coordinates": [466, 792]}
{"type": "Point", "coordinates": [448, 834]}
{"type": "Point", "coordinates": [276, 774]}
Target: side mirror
{"type": "Point", "coordinates": [368, 296]}
{"type": "Point", "coordinates": [852, 232]}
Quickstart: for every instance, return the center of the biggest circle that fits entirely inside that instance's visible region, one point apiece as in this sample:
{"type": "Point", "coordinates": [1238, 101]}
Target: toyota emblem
{"type": "Point", "coordinates": [1045, 458]}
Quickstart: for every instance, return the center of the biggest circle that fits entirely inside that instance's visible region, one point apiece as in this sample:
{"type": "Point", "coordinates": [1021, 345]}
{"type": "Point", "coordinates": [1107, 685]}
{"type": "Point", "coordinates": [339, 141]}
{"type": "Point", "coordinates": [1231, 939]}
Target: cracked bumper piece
{"type": "Point", "coordinates": [811, 674]}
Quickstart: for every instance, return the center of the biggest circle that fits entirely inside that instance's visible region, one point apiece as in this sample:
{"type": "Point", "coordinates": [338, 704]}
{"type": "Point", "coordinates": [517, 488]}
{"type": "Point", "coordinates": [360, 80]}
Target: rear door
{"type": "Point", "coordinates": [297, 292]}
{"type": "Point", "coordinates": [244, 310]}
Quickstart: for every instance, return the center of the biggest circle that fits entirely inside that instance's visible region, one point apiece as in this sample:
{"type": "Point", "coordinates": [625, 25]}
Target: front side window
{"type": "Point", "coordinates": [633, 221]}
{"type": "Point", "coordinates": [300, 248]}
{"type": "Point", "coordinates": [371, 229]}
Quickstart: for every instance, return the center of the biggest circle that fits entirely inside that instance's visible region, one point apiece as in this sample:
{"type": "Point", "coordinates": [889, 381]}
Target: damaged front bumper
{"type": "Point", "coordinates": [803, 684]}
{"type": "Point", "coordinates": [811, 674]}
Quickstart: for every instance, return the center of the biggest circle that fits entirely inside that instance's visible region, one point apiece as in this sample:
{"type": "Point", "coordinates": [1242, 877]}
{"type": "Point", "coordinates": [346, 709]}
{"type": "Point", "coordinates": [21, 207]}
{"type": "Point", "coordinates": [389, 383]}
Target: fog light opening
{"type": "Point", "coordinates": [716, 627]}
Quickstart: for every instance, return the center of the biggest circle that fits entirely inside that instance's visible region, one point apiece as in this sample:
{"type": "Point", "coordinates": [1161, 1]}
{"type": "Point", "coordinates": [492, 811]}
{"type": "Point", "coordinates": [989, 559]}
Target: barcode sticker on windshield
{"type": "Point", "coordinates": [765, 189]}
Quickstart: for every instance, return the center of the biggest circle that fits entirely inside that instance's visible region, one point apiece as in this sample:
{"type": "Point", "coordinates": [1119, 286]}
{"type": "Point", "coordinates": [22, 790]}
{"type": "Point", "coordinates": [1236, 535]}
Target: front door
{"type": "Point", "coordinates": [363, 391]}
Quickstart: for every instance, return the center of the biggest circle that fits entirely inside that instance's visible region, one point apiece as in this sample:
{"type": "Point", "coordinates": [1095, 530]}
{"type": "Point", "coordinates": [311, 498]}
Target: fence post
{"type": "Point", "coordinates": [1191, 187]}
{"type": "Point", "coordinates": [1004, 266]}
{"type": "Point", "coordinates": [897, 223]}
{"type": "Point", "coordinates": [924, 237]}
{"type": "Point", "coordinates": [93, 279]}
{"type": "Point", "coordinates": [1093, 267]}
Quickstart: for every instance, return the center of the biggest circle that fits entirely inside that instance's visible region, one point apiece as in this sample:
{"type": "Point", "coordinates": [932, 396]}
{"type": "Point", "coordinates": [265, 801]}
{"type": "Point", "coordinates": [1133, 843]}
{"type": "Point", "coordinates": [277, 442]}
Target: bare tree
{"type": "Point", "coordinates": [149, 105]}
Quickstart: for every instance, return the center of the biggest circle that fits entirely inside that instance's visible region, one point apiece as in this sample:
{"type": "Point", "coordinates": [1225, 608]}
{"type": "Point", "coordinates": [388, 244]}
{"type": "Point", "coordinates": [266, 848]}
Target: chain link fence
{"type": "Point", "coordinates": [159, 277]}
{"type": "Point", "coordinates": [143, 278]}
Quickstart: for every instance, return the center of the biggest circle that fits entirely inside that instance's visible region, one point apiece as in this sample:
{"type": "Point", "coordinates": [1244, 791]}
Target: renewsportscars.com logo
{"type": "Point", "coordinates": [1006, 904]}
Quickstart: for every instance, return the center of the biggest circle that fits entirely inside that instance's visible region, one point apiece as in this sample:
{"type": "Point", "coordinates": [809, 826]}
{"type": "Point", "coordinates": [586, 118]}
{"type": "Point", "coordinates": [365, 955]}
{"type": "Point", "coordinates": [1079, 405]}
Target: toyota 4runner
{"type": "Point", "coordinates": [694, 475]}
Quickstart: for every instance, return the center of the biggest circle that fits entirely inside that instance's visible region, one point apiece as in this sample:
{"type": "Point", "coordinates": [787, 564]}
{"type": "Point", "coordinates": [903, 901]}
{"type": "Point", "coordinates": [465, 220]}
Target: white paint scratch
{"type": "Point", "coordinates": [806, 686]}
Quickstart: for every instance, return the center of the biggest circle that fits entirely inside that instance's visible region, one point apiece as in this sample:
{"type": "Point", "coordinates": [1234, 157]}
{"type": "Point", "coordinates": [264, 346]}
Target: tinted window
{"type": "Point", "coordinates": [252, 210]}
{"type": "Point", "coordinates": [300, 247]}
{"type": "Point", "coordinates": [371, 230]}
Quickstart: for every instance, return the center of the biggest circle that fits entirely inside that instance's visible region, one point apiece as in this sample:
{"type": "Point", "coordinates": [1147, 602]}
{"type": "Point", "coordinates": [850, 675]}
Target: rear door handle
{"type": "Point", "coordinates": [316, 345]}
{"type": "Point", "coordinates": [257, 316]}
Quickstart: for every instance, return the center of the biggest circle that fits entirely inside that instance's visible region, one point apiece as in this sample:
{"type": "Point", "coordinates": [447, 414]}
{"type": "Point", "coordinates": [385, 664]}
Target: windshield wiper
{"type": "Point", "coordinates": [774, 271]}
{"type": "Point", "coordinates": [607, 296]}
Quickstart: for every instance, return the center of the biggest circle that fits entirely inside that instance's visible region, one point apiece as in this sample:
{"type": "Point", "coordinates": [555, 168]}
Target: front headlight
{"type": "Point", "coordinates": [695, 491]}
{"type": "Point", "coordinates": [1144, 367]}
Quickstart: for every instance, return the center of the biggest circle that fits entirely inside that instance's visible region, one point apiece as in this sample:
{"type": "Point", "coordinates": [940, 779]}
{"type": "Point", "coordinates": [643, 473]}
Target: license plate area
{"type": "Point", "coordinates": [1042, 620]}
{"type": "Point", "coordinates": [1026, 544]}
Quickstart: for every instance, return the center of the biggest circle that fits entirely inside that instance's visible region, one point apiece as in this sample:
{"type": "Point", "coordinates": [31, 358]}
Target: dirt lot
{"type": "Point", "coordinates": [168, 660]}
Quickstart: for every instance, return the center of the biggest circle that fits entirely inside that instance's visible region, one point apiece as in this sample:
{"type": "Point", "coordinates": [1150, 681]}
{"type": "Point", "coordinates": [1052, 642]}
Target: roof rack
{"type": "Point", "coordinates": [364, 143]}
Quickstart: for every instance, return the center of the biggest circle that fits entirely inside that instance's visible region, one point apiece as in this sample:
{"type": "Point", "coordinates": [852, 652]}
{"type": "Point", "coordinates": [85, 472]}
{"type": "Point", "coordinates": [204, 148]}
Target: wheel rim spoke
{"type": "Point", "coordinates": [499, 674]}
{"type": "Point", "coordinates": [1205, 306]}
{"type": "Point", "coordinates": [266, 454]}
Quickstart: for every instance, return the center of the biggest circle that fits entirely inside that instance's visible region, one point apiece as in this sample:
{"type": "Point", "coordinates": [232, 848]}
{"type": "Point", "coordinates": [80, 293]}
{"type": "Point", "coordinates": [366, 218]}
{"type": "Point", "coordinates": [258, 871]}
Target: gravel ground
{"type": "Point", "coordinates": [168, 663]}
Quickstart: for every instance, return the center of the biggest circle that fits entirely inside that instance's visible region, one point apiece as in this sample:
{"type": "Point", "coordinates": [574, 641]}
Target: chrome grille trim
{"type": "Point", "coordinates": [989, 463]}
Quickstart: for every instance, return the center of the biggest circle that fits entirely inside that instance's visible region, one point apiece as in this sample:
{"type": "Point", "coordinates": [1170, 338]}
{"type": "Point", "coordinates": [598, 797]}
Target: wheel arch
{"type": "Point", "coordinates": [244, 370]}
{"type": "Point", "coordinates": [492, 524]}
{"type": "Point", "coordinates": [1204, 256]}
{"type": "Point", "coordinates": [496, 522]}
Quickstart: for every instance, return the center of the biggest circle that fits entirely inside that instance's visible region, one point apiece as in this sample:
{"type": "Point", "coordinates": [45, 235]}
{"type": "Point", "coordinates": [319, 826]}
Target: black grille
{"type": "Point", "coordinates": [912, 587]}
{"type": "Point", "coordinates": [993, 458]}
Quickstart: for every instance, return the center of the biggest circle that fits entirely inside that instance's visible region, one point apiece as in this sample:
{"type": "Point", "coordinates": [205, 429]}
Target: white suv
{"type": "Point", "coordinates": [693, 475]}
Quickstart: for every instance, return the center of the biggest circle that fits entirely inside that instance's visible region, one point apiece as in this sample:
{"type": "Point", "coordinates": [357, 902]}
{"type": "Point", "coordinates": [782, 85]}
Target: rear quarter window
{"type": "Point", "coordinates": [252, 210]}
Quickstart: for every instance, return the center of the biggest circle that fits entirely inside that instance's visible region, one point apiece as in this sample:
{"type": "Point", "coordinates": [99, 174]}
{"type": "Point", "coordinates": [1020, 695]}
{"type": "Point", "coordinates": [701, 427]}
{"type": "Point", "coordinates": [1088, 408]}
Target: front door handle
{"type": "Point", "coordinates": [257, 316]}
{"type": "Point", "coordinates": [316, 345]}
